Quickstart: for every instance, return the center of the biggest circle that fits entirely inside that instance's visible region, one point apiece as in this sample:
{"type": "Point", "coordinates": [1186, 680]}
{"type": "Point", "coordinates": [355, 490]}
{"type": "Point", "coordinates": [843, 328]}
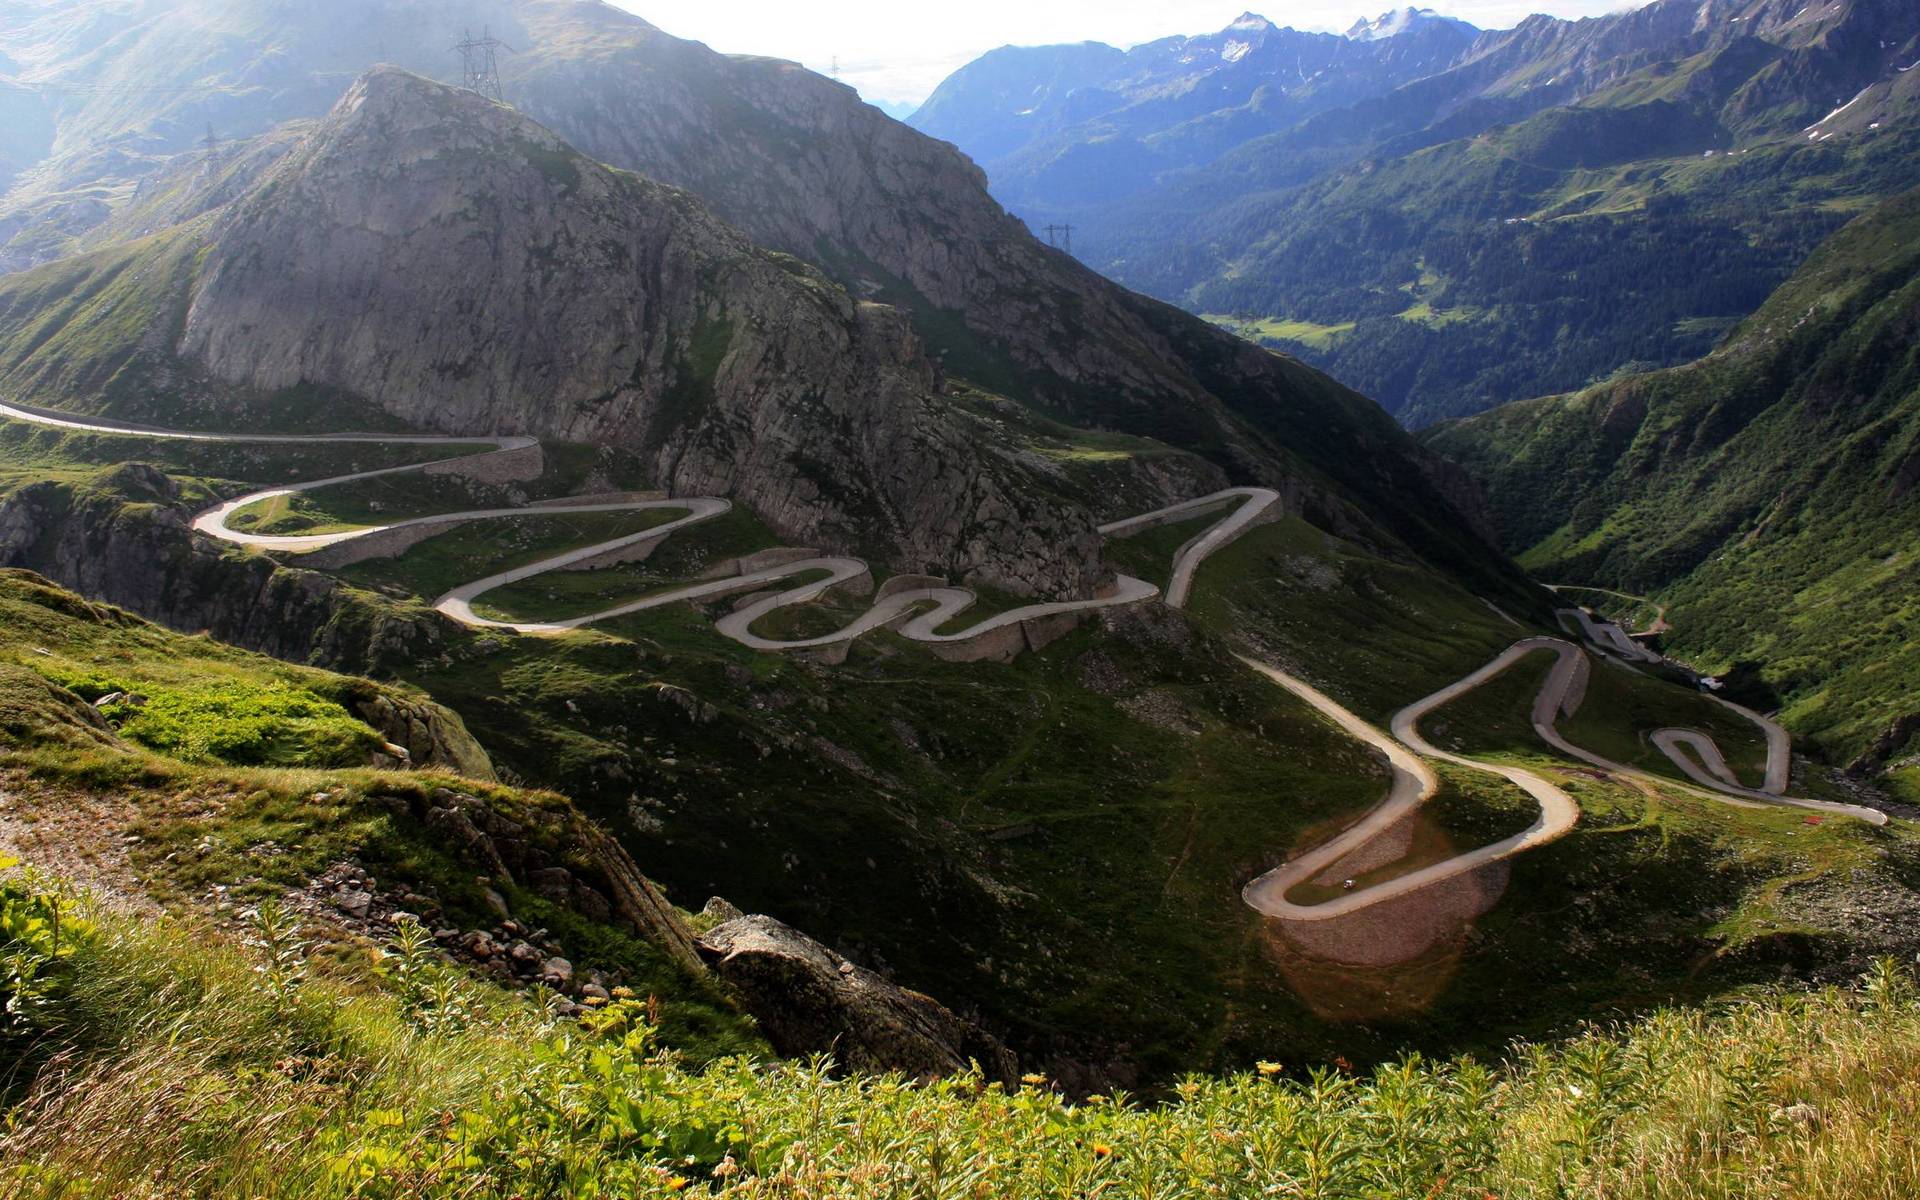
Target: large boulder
{"type": "Point", "coordinates": [811, 1000]}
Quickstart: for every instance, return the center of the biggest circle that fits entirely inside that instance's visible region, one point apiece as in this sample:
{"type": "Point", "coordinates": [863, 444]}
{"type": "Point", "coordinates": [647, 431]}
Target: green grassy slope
{"type": "Point", "coordinates": [242, 778]}
{"type": "Point", "coordinates": [339, 1085]}
{"type": "Point", "coordinates": [1765, 493]}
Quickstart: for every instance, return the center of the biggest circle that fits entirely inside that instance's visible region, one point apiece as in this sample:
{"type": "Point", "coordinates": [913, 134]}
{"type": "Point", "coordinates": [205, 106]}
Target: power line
{"type": "Point", "coordinates": [1060, 237]}
{"type": "Point", "coordinates": [120, 89]}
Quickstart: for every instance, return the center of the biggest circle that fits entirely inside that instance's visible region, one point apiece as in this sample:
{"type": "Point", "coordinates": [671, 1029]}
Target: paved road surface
{"type": "Point", "coordinates": [941, 605]}
{"type": "Point", "coordinates": [1413, 783]}
{"type": "Point", "coordinates": [1608, 636]}
{"type": "Point", "coordinates": [1255, 502]}
{"type": "Point", "coordinates": [1659, 625]}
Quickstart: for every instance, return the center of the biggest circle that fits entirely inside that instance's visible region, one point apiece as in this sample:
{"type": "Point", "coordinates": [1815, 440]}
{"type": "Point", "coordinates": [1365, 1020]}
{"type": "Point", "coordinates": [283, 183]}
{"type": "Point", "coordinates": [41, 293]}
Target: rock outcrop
{"type": "Point", "coordinates": [465, 270]}
{"type": "Point", "coordinates": [135, 549]}
{"type": "Point", "coordinates": [559, 855]}
{"type": "Point", "coordinates": [432, 736]}
{"type": "Point", "coordinates": [809, 1000]}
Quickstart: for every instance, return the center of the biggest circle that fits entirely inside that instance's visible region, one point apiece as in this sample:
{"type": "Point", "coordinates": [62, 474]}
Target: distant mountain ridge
{"type": "Point", "coordinates": [1393, 24]}
{"type": "Point", "coordinates": [1052, 124]}
{"type": "Point", "coordinates": [1437, 242]}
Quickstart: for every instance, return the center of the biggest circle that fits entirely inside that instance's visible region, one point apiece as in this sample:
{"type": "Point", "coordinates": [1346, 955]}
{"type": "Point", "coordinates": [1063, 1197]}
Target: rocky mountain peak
{"type": "Point", "coordinates": [1394, 23]}
{"type": "Point", "coordinates": [463, 268]}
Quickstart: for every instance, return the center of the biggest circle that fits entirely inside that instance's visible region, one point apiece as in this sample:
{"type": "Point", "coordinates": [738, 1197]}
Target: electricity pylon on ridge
{"type": "Point", "coordinates": [480, 63]}
{"type": "Point", "coordinates": [210, 147]}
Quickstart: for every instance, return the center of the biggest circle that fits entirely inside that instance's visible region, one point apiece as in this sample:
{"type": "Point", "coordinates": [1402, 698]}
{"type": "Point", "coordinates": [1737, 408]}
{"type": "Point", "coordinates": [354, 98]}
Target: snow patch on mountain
{"type": "Point", "coordinates": [1392, 24]}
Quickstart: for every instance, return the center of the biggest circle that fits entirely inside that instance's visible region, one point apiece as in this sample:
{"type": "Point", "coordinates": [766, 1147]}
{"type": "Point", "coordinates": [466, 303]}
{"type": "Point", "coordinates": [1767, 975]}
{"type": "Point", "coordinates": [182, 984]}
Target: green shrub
{"type": "Point", "coordinates": [85, 682]}
{"type": "Point", "coordinates": [246, 724]}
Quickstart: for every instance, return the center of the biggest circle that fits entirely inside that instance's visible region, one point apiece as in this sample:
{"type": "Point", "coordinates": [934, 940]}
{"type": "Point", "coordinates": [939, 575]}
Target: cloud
{"type": "Point", "coordinates": [901, 51]}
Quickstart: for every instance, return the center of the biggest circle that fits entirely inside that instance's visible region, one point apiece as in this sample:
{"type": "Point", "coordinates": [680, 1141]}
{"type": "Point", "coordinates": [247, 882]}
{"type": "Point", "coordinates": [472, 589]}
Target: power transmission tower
{"type": "Point", "coordinates": [834, 71]}
{"type": "Point", "coordinates": [210, 144]}
{"type": "Point", "coordinates": [480, 64]}
{"type": "Point", "coordinates": [1060, 237]}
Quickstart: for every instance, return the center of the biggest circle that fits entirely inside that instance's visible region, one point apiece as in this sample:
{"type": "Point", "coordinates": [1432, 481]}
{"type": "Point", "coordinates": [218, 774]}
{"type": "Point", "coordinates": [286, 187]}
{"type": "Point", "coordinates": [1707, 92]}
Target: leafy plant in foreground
{"type": "Point", "coordinates": [39, 933]}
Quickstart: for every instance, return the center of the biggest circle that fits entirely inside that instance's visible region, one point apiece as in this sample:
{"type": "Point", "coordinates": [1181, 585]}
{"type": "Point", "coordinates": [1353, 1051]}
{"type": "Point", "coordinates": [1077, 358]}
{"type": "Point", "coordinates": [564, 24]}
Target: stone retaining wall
{"type": "Point", "coordinates": [391, 542]}
{"type": "Point", "coordinates": [501, 466]}
{"type": "Point", "coordinates": [637, 552]}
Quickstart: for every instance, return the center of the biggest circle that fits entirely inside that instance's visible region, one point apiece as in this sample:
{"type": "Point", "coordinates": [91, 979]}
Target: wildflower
{"type": "Point", "coordinates": [677, 1184]}
{"type": "Point", "coordinates": [1102, 1150]}
{"type": "Point", "coordinates": [1268, 1069]}
{"type": "Point", "coordinates": [1341, 1064]}
{"type": "Point", "coordinates": [1034, 1080]}
{"type": "Point", "coordinates": [623, 993]}
{"type": "Point", "coordinates": [726, 1168]}
{"type": "Point", "coordinates": [593, 1001]}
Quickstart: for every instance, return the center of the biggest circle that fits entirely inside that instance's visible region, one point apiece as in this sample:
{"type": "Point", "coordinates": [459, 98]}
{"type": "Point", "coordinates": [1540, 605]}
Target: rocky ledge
{"type": "Point", "coordinates": [810, 1000]}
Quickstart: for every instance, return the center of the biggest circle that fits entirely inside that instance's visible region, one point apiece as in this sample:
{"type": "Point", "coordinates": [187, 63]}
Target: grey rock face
{"type": "Point", "coordinates": [467, 271]}
{"type": "Point", "coordinates": [809, 1000]}
{"type": "Point", "coordinates": [432, 736]}
{"type": "Point", "coordinates": [143, 557]}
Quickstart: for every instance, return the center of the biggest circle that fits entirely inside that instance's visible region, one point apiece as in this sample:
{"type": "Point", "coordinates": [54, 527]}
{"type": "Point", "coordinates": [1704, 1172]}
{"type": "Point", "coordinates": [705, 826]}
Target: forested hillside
{"type": "Point", "coordinates": [1765, 493]}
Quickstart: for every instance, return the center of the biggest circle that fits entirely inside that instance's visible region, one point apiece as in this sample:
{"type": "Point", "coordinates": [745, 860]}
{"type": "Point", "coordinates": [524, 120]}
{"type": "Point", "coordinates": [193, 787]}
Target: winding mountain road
{"type": "Point", "coordinates": [1413, 783]}
{"type": "Point", "coordinates": [919, 608]}
{"type": "Point", "coordinates": [1659, 625]}
{"type": "Point", "coordinates": [1254, 503]}
{"type": "Point", "coordinates": [901, 606]}
{"type": "Point", "coordinates": [1609, 637]}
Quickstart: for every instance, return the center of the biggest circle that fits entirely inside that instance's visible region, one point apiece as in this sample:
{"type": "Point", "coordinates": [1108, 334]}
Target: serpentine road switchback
{"type": "Point", "coordinates": [917, 607]}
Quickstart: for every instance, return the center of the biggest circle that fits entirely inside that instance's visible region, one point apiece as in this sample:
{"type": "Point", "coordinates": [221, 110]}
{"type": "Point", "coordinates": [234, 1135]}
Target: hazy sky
{"type": "Point", "coordinates": [899, 50]}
